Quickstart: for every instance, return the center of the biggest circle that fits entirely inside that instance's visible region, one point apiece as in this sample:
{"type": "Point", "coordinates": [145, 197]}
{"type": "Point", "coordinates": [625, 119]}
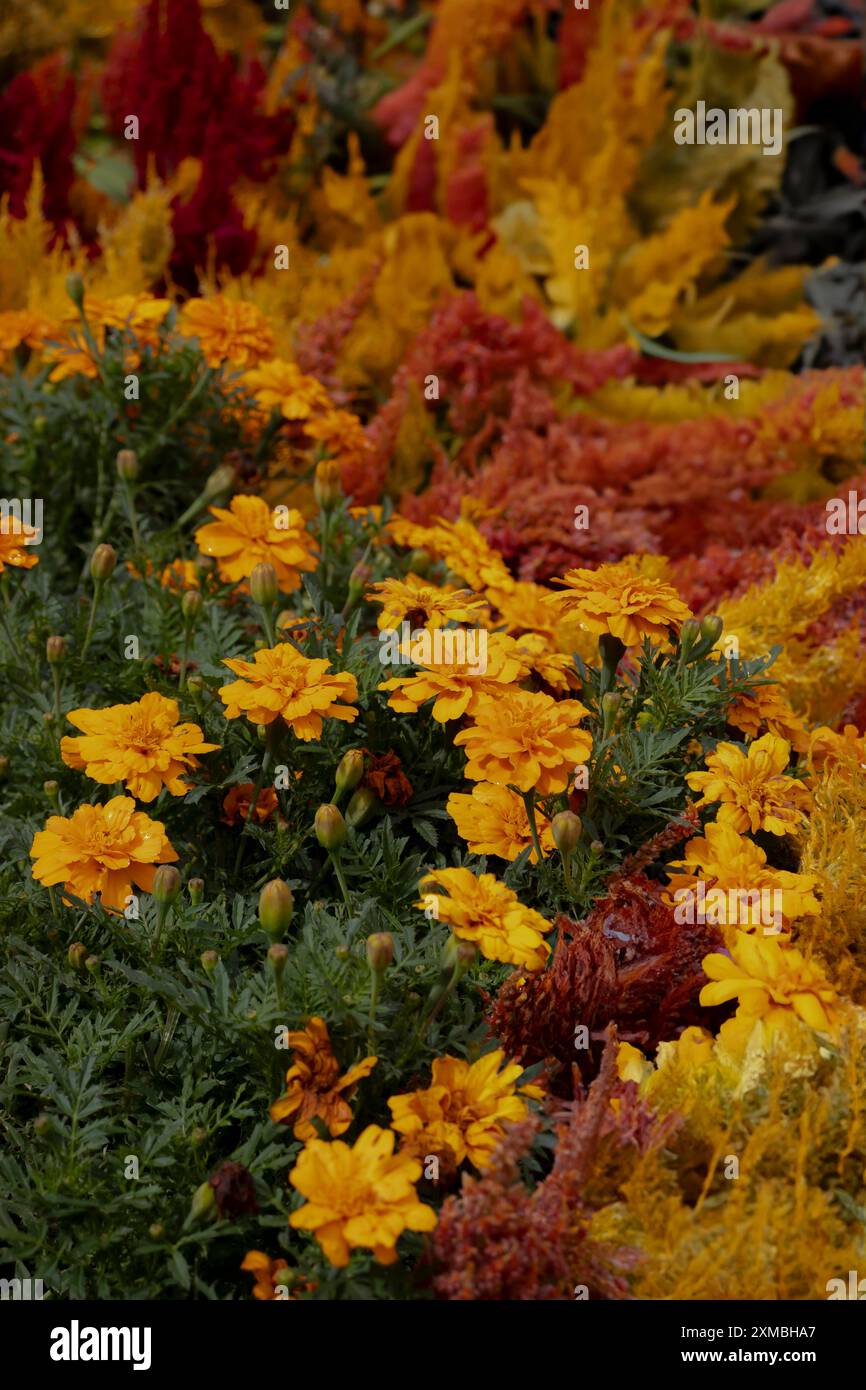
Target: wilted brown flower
{"type": "Point", "coordinates": [234, 1190]}
{"type": "Point", "coordinates": [385, 776]}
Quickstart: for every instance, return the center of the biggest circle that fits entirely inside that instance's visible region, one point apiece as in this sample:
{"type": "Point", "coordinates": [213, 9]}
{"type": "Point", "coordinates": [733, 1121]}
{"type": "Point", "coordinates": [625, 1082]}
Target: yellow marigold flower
{"type": "Point", "coordinates": [250, 533]}
{"type": "Point", "coordinates": [552, 667]}
{"type": "Point", "coordinates": [455, 686]}
{"type": "Point", "coordinates": [227, 329]}
{"type": "Point", "coordinates": [341, 434]}
{"type": "Point", "coordinates": [460, 544]}
{"type": "Point", "coordinates": [493, 820]}
{"type": "Point", "coordinates": [723, 859]}
{"type": "Point", "coordinates": [140, 744]}
{"type": "Point", "coordinates": [315, 1088]}
{"type": "Point", "coordinates": [23, 326]}
{"type": "Point", "coordinates": [524, 608]}
{"type": "Point", "coordinates": [767, 707]}
{"type": "Point", "coordinates": [279, 681]}
{"type": "Point", "coordinates": [751, 787]}
{"type": "Point", "coordinates": [282, 386]}
{"type": "Point", "coordinates": [771, 979]}
{"type": "Point", "coordinates": [15, 538]}
{"type": "Point", "coordinates": [481, 909]}
{"type": "Point", "coordinates": [138, 314]}
{"type": "Point", "coordinates": [420, 604]}
{"type": "Point", "coordinates": [463, 1109]}
{"type": "Point", "coordinates": [827, 747]}
{"type": "Point", "coordinates": [619, 600]}
{"type": "Point", "coordinates": [101, 849]}
{"type": "Point", "coordinates": [359, 1197]}
{"type": "Point", "coordinates": [526, 740]}
{"type": "Point", "coordinates": [631, 1065]}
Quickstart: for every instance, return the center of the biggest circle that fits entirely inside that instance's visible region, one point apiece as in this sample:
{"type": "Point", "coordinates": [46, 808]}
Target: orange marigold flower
{"type": "Point", "coordinates": [751, 788]}
{"type": "Point", "coordinates": [463, 1109]}
{"type": "Point", "coordinates": [526, 740]}
{"type": "Point", "coordinates": [15, 538]}
{"type": "Point", "coordinates": [315, 1088]}
{"type": "Point", "coordinates": [420, 604]}
{"type": "Point", "coordinates": [265, 1271]}
{"type": "Point", "coordinates": [236, 805]}
{"type": "Point", "coordinates": [767, 707]}
{"type": "Point", "coordinates": [493, 820]}
{"type": "Point", "coordinates": [359, 1197]}
{"type": "Point", "coordinates": [619, 600]}
{"type": "Point", "coordinates": [227, 329]}
{"type": "Point", "coordinates": [140, 744]}
{"type": "Point", "coordinates": [454, 685]}
{"type": "Point", "coordinates": [282, 386]}
{"type": "Point", "coordinates": [101, 849]}
{"type": "Point", "coordinates": [279, 681]}
{"type": "Point", "coordinates": [481, 909]}
{"type": "Point", "coordinates": [250, 533]}
{"type": "Point", "coordinates": [23, 326]}
{"type": "Point", "coordinates": [826, 747]}
{"type": "Point", "coordinates": [384, 775]}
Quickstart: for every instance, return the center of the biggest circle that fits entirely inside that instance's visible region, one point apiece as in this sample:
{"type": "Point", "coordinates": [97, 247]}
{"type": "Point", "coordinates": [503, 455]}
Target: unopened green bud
{"type": "Point", "coordinates": [566, 828]}
{"type": "Point", "coordinates": [276, 906]}
{"type": "Point", "coordinates": [712, 627]}
{"type": "Point", "coordinates": [596, 847]}
{"type": "Point", "coordinates": [195, 887]}
{"type": "Point", "coordinates": [380, 950]}
{"type": "Point", "coordinates": [219, 481]}
{"type": "Point", "coordinates": [102, 563]}
{"type": "Point", "coordinates": [263, 585]}
{"type": "Point", "coordinates": [330, 827]}
{"type": "Point", "coordinates": [43, 1124]}
{"type": "Point", "coordinates": [52, 791]}
{"type": "Point", "coordinates": [191, 605]}
{"type": "Point", "coordinates": [689, 634]}
{"type": "Point", "coordinates": [166, 884]}
{"type": "Point", "coordinates": [610, 704]}
{"type": "Point", "coordinates": [209, 961]}
{"type": "Point", "coordinates": [156, 1230]}
{"type": "Point", "coordinates": [126, 464]}
{"type": "Point", "coordinates": [92, 963]}
{"type": "Point", "coordinates": [55, 650]}
{"type": "Point", "coordinates": [350, 770]}
{"type": "Point", "coordinates": [203, 1202]}
{"type": "Point", "coordinates": [77, 955]}
{"type": "Point", "coordinates": [196, 685]}
{"type": "Point", "coordinates": [342, 951]}
{"type": "Point", "coordinates": [197, 1136]}
{"type": "Point", "coordinates": [420, 562]}
{"type": "Point", "coordinates": [363, 804]}
{"type": "Point", "coordinates": [359, 580]}
{"type": "Point", "coordinates": [327, 484]}
{"type": "Point", "coordinates": [75, 289]}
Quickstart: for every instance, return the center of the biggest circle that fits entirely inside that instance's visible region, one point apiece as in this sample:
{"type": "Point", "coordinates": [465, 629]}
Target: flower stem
{"type": "Point", "coordinates": [374, 1005]}
{"type": "Point", "coordinates": [529, 803]}
{"type": "Point", "coordinates": [338, 870]}
{"type": "Point", "coordinates": [268, 626]}
{"type": "Point", "coordinates": [58, 716]}
{"type": "Point", "coordinates": [97, 591]}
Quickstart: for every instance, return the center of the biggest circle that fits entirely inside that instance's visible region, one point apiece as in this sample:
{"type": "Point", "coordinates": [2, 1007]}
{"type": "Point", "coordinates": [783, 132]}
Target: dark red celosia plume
{"type": "Point", "coordinates": [37, 126]}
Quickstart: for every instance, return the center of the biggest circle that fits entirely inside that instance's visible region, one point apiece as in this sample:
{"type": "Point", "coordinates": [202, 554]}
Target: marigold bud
{"type": "Point", "coordinates": [712, 627]}
{"type": "Point", "coordinates": [689, 633]}
{"type": "Point", "coordinates": [610, 704]}
{"type": "Point", "coordinates": [566, 828]}
{"type": "Point", "coordinates": [195, 685]}
{"type": "Point", "coordinates": [92, 964]}
{"type": "Point", "coordinates": [420, 562]}
{"type": "Point", "coordinates": [191, 604]}
{"type": "Point", "coordinates": [380, 950]}
{"type": "Point", "coordinates": [156, 1230]}
{"type": "Point", "coordinates": [196, 890]}
{"type": "Point", "coordinates": [43, 1124]}
{"type": "Point", "coordinates": [350, 770]}
{"type": "Point", "coordinates": [276, 906]}
{"type": "Point", "coordinates": [102, 563]}
{"type": "Point", "coordinates": [330, 827]}
{"type": "Point", "coordinates": [4, 768]}
{"type": "Point", "coordinates": [166, 884]}
{"type": "Point", "coordinates": [361, 807]}
{"type": "Point", "coordinates": [197, 1136]}
{"type": "Point", "coordinates": [126, 464]}
{"type": "Point", "coordinates": [359, 579]}
{"type": "Point", "coordinates": [342, 951]}
{"type": "Point", "coordinates": [77, 955]}
{"type": "Point", "coordinates": [55, 650]}
{"type": "Point", "coordinates": [263, 585]}
{"type": "Point", "coordinates": [220, 480]}
{"type": "Point", "coordinates": [51, 790]}
{"type": "Point", "coordinates": [209, 961]}
{"type": "Point", "coordinates": [327, 485]}
{"type": "Point", "coordinates": [203, 1202]}
{"type": "Point", "coordinates": [75, 289]}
